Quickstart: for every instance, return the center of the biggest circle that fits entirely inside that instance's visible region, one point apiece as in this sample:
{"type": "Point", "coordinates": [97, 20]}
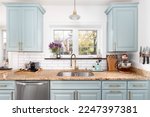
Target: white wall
{"type": "Point", "coordinates": [2, 26]}
{"type": "Point", "coordinates": [143, 32]}
{"type": "Point", "coordinates": [58, 15]}
{"type": "Point", "coordinates": [2, 16]}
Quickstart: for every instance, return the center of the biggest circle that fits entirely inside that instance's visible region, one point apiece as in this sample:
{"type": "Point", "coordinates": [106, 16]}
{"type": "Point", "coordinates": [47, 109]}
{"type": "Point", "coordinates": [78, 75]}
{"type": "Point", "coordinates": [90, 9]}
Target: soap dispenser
{"type": "Point", "coordinates": [97, 66]}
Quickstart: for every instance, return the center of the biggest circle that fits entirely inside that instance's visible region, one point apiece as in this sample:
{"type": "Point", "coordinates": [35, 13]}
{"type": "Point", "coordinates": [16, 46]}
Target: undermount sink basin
{"type": "Point", "coordinates": [75, 73]}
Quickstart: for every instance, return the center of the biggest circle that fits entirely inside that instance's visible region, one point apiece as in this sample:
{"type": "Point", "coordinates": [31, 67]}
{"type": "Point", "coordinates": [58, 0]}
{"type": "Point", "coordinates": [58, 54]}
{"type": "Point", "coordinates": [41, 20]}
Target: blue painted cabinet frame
{"type": "Point", "coordinates": [122, 27]}
{"type": "Point", "coordinates": [24, 27]}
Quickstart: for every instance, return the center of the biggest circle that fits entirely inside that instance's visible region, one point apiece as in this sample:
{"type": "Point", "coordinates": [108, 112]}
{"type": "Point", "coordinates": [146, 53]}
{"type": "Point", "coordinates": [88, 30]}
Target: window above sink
{"type": "Point", "coordinates": [80, 40]}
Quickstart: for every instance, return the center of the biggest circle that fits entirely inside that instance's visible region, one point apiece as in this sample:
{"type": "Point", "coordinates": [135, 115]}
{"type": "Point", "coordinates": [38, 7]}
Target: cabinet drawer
{"type": "Point", "coordinates": [138, 85]}
{"type": "Point", "coordinates": [75, 84]}
{"type": "Point", "coordinates": [114, 85]}
{"type": "Point", "coordinates": [7, 84]}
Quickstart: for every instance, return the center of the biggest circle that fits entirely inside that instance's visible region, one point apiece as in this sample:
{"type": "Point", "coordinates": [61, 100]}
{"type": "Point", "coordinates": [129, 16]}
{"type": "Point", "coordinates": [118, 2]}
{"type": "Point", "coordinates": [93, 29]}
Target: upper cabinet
{"type": "Point", "coordinates": [24, 27]}
{"type": "Point", "coordinates": [122, 27]}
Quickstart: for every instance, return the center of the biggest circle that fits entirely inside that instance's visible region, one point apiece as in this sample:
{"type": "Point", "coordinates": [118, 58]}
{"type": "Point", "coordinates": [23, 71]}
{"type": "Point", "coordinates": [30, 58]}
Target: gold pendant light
{"type": "Point", "coordinates": [74, 15]}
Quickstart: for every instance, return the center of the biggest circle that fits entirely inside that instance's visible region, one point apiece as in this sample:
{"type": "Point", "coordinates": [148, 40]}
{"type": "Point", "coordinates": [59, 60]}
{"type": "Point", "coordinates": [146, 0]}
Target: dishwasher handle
{"type": "Point", "coordinates": [30, 83]}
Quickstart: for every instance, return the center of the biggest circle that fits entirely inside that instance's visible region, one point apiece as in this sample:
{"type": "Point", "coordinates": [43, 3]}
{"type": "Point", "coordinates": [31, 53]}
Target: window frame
{"type": "Point", "coordinates": [75, 43]}
{"type": "Point", "coordinates": [61, 30]}
{"type": "Point", "coordinates": [4, 57]}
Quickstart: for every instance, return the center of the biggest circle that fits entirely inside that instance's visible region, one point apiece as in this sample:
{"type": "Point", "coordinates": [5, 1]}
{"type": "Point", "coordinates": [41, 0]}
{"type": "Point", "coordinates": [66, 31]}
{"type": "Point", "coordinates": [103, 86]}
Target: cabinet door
{"type": "Point", "coordinates": [29, 31]}
{"type": "Point", "coordinates": [110, 41]}
{"type": "Point", "coordinates": [14, 28]}
{"type": "Point", "coordinates": [62, 95]}
{"type": "Point", "coordinates": [138, 94]}
{"type": "Point", "coordinates": [125, 28]}
{"type": "Point", "coordinates": [6, 94]}
{"type": "Point", "coordinates": [88, 95]}
{"type": "Point", "coordinates": [114, 95]}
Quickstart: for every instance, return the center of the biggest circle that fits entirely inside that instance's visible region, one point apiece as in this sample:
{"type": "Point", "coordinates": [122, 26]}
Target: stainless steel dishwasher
{"type": "Point", "coordinates": [32, 90]}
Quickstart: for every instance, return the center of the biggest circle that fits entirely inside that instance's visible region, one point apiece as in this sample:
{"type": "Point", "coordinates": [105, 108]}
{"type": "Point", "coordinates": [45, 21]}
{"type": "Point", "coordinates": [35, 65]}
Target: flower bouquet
{"type": "Point", "coordinates": [55, 47]}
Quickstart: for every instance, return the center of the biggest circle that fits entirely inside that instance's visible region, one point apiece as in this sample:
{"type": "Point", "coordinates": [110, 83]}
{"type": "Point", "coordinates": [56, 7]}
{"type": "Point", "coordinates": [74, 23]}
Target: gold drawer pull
{"type": "Point", "coordinates": [129, 95]}
{"type": "Point", "coordinates": [114, 86]}
{"type": "Point", "coordinates": [115, 92]}
{"type": "Point", "coordinates": [12, 95]}
{"type": "Point", "coordinates": [138, 85]}
{"type": "Point", "coordinates": [3, 85]}
{"type": "Point", "coordinates": [74, 95]}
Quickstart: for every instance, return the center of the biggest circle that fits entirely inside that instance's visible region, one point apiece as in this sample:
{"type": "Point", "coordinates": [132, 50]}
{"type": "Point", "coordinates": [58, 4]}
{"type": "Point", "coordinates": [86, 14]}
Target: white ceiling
{"type": "Point", "coordinates": [68, 2]}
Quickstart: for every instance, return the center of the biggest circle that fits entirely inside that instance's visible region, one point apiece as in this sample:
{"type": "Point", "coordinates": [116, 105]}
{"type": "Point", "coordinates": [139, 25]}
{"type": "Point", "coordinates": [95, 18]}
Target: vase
{"type": "Point", "coordinates": [58, 56]}
{"type": "Point", "coordinates": [55, 55]}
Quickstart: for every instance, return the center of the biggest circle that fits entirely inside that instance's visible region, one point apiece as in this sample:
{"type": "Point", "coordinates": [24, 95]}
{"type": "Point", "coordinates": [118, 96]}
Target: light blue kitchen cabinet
{"type": "Point", "coordinates": [122, 27]}
{"type": "Point", "coordinates": [97, 90]}
{"type": "Point", "coordinates": [75, 94]}
{"type": "Point", "coordinates": [75, 90]}
{"type": "Point", "coordinates": [138, 90]}
{"type": "Point", "coordinates": [125, 90]}
{"type": "Point", "coordinates": [24, 27]}
{"type": "Point", "coordinates": [7, 90]}
{"type": "Point", "coordinates": [114, 90]}
{"type": "Point", "coordinates": [114, 95]}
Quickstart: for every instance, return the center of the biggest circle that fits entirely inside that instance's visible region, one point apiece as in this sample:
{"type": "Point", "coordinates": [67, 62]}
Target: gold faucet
{"type": "Point", "coordinates": [74, 61]}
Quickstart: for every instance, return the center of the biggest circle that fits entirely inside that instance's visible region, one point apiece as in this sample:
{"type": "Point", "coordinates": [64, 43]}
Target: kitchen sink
{"type": "Point", "coordinates": [75, 73]}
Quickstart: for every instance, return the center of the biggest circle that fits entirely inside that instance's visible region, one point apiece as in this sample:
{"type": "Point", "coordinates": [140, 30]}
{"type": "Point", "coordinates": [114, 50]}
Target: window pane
{"type": "Point", "coordinates": [65, 37]}
{"type": "Point", "coordinates": [87, 42]}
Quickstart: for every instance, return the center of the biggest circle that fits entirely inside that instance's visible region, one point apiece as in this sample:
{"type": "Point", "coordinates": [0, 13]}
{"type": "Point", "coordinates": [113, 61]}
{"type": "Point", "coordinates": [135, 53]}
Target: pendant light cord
{"type": "Point", "coordinates": [74, 5]}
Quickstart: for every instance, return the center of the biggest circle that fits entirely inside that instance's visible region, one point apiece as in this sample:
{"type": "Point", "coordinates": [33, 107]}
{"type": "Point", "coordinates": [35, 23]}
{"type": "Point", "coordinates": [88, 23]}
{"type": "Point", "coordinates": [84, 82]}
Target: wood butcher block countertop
{"type": "Point", "coordinates": [52, 75]}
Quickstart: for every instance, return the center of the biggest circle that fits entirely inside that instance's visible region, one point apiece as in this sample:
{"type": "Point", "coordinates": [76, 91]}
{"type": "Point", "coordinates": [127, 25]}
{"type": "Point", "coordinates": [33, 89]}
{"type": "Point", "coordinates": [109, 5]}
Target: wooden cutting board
{"type": "Point", "coordinates": [112, 62]}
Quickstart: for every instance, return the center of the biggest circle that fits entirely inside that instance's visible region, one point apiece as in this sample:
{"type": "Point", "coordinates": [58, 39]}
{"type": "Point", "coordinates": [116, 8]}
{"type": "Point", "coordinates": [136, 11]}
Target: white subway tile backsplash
{"type": "Point", "coordinates": [19, 59]}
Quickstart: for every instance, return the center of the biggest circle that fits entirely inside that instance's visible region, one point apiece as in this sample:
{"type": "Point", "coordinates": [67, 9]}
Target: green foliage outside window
{"type": "Point", "coordinates": [87, 42]}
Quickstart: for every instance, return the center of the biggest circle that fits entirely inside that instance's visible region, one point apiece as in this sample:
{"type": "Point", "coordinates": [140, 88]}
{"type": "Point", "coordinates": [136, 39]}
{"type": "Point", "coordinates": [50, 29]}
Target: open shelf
{"type": "Point", "coordinates": [76, 58]}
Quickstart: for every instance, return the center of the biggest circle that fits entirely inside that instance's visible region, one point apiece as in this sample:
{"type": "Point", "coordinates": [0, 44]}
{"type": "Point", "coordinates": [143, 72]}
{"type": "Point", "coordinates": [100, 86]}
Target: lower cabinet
{"type": "Point", "coordinates": [7, 90]}
{"type": "Point", "coordinates": [125, 90]}
{"type": "Point", "coordinates": [97, 90]}
{"type": "Point", "coordinates": [87, 90]}
{"type": "Point", "coordinates": [138, 90]}
{"type": "Point", "coordinates": [75, 90]}
{"type": "Point", "coordinates": [75, 94]}
{"type": "Point", "coordinates": [114, 90]}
